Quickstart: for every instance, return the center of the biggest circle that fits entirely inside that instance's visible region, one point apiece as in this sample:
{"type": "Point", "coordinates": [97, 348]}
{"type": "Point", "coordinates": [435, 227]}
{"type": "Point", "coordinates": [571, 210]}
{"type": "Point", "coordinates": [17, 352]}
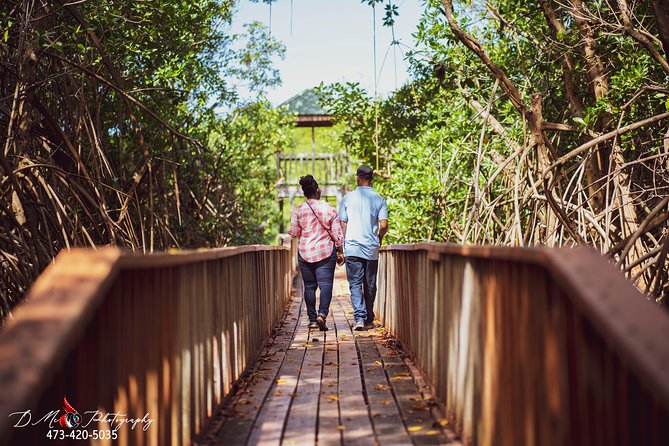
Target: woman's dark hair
{"type": "Point", "coordinates": [309, 185]}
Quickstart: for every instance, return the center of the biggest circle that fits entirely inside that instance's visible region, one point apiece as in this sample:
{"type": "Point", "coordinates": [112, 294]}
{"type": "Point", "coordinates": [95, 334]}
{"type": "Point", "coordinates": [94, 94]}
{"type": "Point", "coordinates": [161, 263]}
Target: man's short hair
{"type": "Point", "coordinates": [365, 173]}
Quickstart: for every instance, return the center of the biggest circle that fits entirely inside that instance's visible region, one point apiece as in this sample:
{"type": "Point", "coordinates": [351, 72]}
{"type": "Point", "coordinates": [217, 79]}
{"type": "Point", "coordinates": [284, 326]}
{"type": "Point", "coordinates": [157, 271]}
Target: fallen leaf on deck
{"type": "Point", "coordinates": [332, 398]}
{"type": "Point", "coordinates": [382, 387]}
{"type": "Point", "coordinates": [443, 422]}
{"type": "Point", "coordinates": [421, 407]}
{"type": "Point", "coordinates": [340, 427]}
{"type": "Point", "coordinates": [414, 428]}
{"type": "Point", "coordinates": [399, 378]}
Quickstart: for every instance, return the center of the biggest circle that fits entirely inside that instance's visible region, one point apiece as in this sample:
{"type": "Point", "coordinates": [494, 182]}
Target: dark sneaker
{"type": "Point", "coordinates": [370, 325]}
{"type": "Point", "coordinates": [320, 321]}
{"type": "Point", "coordinates": [312, 324]}
{"type": "Point", "coordinates": [359, 326]}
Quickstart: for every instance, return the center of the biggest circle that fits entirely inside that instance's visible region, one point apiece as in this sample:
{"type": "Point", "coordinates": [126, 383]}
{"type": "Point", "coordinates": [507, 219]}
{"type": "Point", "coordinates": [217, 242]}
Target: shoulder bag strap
{"type": "Point", "coordinates": [319, 221]}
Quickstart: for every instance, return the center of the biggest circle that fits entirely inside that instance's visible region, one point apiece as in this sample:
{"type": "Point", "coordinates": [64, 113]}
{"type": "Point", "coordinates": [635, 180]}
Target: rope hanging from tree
{"type": "Point", "coordinates": [388, 21]}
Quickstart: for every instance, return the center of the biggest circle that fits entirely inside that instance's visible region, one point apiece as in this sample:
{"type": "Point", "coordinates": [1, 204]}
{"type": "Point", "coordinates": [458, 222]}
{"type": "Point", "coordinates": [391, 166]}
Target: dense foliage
{"type": "Point", "coordinates": [112, 131]}
{"type": "Point", "coordinates": [538, 122]}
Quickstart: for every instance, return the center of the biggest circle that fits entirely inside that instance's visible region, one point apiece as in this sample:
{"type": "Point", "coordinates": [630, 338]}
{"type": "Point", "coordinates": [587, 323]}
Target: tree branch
{"type": "Point", "coordinates": [474, 45]}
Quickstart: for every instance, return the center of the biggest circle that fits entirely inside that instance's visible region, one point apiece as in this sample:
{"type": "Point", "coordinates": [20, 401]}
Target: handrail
{"type": "Point", "coordinates": [327, 168]}
{"type": "Point", "coordinates": [530, 345]}
{"type": "Point", "coordinates": [306, 156]}
{"type": "Point", "coordinates": [161, 336]}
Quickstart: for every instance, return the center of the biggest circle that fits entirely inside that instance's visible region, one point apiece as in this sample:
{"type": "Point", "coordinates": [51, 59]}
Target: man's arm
{"type": "Point", "coordinates": [343, 229]}
{"type": "Point", "coordinates": [383, 229]}
{"type": "Point", "coordinates": [383, 220]}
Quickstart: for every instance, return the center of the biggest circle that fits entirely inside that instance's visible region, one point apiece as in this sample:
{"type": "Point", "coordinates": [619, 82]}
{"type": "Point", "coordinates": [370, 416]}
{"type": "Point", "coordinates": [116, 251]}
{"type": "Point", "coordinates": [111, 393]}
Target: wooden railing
{"type": "Point", "coordinates": [327, 168]}
{"type": "Point", "coordinates": [157, 337]}
{"type": "Point", "coordinates": [531, 346]}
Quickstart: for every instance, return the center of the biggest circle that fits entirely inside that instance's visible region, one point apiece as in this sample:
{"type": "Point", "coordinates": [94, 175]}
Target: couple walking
{"type": "Point", "coordinates": [352, 236]}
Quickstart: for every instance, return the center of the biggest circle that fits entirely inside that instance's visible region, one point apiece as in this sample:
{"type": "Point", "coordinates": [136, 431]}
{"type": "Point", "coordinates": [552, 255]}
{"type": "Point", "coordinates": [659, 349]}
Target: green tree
{"type": "Point", "coordinates": [112, 131]}
{"type": "Point", "coordinates": [528, 123]}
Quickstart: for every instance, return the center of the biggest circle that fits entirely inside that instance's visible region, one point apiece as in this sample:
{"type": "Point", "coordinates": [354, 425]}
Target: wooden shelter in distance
{"type": "Point", "coordinates": [309, 110]}
{"type": "Point", "coordinates": [327, 168]}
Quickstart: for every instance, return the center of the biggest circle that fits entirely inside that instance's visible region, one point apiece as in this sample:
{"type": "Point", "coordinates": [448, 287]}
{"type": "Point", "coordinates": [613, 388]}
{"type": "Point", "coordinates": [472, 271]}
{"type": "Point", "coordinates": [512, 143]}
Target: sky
{"type": "Point", "coordinates": [332, 41]}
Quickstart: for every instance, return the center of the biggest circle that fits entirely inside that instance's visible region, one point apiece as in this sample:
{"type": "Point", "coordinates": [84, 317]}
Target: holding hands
{"type": "Point", "coordinates": [340, 256]}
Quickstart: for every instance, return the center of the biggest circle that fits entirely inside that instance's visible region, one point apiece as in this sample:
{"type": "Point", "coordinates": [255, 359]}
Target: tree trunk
{"type": "Point", "coordinates": [598, 80]}
{"type": "Point", "coordinates": [661, 12]}
{"type": "Point", "coordinates": [624, 202]}
{"type": "Point", "coordinates": [556, 26]}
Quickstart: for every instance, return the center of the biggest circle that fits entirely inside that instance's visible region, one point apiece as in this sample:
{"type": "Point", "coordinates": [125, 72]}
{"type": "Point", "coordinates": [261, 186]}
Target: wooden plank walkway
{"type": "Point", "coordinates": [338, 387]}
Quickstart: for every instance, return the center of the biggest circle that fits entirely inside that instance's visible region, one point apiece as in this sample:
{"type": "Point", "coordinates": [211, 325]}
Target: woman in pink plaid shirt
{"type": "Point", "coordinates": [317, 225]}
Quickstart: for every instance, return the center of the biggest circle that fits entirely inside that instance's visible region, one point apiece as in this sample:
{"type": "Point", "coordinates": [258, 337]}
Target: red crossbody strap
{"type": "Point", "coordinates": [319, 221]}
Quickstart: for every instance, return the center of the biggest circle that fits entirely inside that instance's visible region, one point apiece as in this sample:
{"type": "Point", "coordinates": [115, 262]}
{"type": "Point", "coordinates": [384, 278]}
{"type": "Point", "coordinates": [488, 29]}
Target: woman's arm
{"type": "Point", "coordinates": [336, 230]}
{"type": "Point", "coordinates": [338, 235]}
{"type": "Point", "coordinates": [295, 230]}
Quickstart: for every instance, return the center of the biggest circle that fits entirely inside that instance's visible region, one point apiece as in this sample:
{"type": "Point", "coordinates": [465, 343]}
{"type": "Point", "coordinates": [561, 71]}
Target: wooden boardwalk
{"type": "Point", "coordinates": [329, 388]}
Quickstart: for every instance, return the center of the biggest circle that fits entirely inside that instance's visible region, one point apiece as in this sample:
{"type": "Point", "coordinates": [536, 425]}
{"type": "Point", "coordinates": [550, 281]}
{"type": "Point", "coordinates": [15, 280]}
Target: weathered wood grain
{"type": "Point", "coordinates": [342, 392]}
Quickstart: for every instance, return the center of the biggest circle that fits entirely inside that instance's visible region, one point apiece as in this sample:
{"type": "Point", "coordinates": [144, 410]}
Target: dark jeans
{"type": "Point", "coordinates": [361, 275]}
{"type": "Point", "coordinates": [317, 275]}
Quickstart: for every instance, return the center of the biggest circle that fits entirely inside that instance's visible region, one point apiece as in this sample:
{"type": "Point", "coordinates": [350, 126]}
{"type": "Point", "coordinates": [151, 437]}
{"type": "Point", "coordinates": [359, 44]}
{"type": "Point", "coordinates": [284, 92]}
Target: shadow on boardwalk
{"type": "Point", "coordinates": [329, 388]}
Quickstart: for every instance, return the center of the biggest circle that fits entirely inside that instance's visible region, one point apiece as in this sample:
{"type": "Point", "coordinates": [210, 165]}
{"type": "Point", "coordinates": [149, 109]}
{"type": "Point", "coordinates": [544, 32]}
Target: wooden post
{"type": "Point", "coordinates": [313, 149]}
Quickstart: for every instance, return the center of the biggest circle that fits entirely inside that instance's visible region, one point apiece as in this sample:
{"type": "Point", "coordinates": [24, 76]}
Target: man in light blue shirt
{"type": "Point", "coordinates": [364, 219]}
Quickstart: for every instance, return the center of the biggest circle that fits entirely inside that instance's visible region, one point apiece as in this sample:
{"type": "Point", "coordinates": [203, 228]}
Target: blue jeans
{"type": "Point", "coordinates": [317, 275]}
{"type": "Point", "coordinates": [362, 281]}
